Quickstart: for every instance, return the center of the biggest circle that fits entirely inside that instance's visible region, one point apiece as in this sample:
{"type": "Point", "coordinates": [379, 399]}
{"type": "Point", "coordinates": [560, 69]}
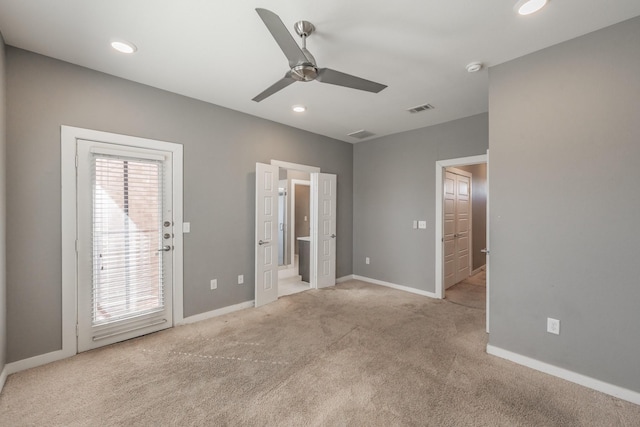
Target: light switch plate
{"type": "Point", "coordinates": [415, 224]}
{"type": "Point", "coordinates": [240, 279]}
{"type": "Point", "coordinates": [186, 227]}
{"type": "Point", "coordinates": [422, 224]}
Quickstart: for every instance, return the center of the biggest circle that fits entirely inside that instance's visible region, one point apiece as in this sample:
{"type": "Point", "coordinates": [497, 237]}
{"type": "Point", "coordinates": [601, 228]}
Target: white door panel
{"type": "Point", "coordinates": [325, 236]}
{"type": "Point", "coordinates": [456, 228]}
{"type": "Point", "coordinates": [266, 243]}
{"type": "Point", "coordinates": [449, 218]}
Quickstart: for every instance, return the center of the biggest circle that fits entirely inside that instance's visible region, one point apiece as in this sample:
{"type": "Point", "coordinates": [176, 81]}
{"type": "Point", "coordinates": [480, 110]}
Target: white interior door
{"type": "Point", "coordinates": [456, 228]}
{"type": "Point", "coordinates": [449, 229]}
{"type": "Point", "coordinates": [486, 250]}
{"type": "Point", "coordinates": [463, 227]}
{"type": "Point", "coordinates": [324, 239]}
{"type": "Point", "coordinates": [266, 278]}
{"type": "Point", "coordinates": [125, 242]}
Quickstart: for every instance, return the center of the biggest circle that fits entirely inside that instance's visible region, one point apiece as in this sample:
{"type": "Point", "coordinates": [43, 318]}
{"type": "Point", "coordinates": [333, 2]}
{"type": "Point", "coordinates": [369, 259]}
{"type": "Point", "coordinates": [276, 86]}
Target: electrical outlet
{"type": "Point", "coordinates": [422, 224]}
{"type": "Point", "coordinates": [553, 326]}
{"type": "Point", "coordinates": [240, 279]}
{"type": "Point", "coordinates": [186, 227]}
{"type": "Point", "coordinates": [214, 284]}
{"type": "Point", "coordinates": [367, 260]}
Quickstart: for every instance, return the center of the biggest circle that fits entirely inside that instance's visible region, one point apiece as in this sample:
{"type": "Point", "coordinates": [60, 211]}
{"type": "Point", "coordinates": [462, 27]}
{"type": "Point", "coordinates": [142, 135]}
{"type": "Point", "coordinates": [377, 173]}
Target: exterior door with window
{"type": "Point", "coordinates": [125, 241]}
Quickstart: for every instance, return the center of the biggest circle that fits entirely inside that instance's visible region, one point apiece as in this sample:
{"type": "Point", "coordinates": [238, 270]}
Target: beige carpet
{"type": "Point", "coordinates": [356, 354]}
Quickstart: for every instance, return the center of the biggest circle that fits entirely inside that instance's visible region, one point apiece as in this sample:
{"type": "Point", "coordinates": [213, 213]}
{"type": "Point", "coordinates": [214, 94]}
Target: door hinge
{"type": "Point", "coordinates": [76, 160]}
{"type": "Point", "coordinates": [76, 245]}
{"type": "Point", "coordinates": [77, 330]}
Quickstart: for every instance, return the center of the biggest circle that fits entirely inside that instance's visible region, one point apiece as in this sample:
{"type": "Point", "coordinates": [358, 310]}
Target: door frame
{"type": "Point", "coordinates": [68, 137]}
{"type": "Point", "coordinates": [311, 170]}
{"type": "Point", "coordinates": [441, 166]}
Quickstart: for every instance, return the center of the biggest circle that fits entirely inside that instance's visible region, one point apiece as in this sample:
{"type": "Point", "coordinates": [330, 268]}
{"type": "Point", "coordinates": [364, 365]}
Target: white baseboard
{"type": "Point", "coordinates": [478, 270]}
{"type": "Point", "coordinates": [216, 313]}
{"type": "Point", "coordinates": [36, 361]}
{"type": "Point", "coordinates": [43, 359]}
{"type": "Point", "coordinates": [3, 377]}
{"type": "Point", "coordinates": [394, 286]}
{"type": "Point", "coordinates": [344, 278]}
{"type": "Point", "coordinates": [574, 377]}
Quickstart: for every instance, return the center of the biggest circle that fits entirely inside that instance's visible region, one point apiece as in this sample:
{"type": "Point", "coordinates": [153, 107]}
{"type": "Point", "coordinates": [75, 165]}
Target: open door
{"type": "Point", "coordinates": [266, 278]}
{"type": "Point", "coordinates": [486, 250]}
{"type": "Point", "coordinates": [324, 230]}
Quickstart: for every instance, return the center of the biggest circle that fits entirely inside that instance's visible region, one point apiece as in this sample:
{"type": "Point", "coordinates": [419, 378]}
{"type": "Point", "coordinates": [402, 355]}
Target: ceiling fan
{"type": "Point", "coordinates": [302, 63]}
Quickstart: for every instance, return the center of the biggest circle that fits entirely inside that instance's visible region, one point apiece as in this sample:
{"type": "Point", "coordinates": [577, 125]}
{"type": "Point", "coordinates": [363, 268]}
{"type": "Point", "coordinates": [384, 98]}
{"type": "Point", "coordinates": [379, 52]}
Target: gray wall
{"type": "Point", "coordinates": [565, 204]}
{"type": "Point", "coordinates": [3, 215]}
{"type": "Point", "coordinates": [394, 184]}
{"type": "Point", "coordinates": [479, 212]}
{"type": "Point", "coordinates": [220, 149]}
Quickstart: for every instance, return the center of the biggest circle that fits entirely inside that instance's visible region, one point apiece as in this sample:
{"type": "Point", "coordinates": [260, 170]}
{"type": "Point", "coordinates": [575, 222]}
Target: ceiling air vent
{"type": "Point", "coordinates": [419, 108]}
{"type": "Point", "coordinates": [361, 134]}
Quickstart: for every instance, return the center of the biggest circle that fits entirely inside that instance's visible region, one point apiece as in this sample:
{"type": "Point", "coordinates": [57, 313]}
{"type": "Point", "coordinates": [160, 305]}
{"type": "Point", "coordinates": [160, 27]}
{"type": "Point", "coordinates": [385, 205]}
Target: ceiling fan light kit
{"type": "Point", "coordinates": [302, 64]}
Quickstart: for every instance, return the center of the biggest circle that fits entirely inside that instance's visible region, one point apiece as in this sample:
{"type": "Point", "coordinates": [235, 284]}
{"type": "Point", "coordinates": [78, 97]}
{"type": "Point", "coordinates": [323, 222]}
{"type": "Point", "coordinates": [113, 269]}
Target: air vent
{"type": "Point", "coordinates": [419, 108]}
{"type": "Point", "coordinates": [361, 134]}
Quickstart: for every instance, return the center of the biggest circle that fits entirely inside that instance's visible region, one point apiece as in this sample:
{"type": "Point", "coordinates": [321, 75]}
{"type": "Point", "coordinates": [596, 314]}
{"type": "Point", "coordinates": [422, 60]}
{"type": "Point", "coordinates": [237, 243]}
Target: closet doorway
{"type": "Point", "coordinates": [462, 229]}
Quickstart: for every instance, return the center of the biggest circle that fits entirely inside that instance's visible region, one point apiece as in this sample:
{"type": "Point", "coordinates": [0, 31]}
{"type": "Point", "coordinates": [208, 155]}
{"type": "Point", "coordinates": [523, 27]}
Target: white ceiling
{"type": "Point", "coordinates": [219, 51]}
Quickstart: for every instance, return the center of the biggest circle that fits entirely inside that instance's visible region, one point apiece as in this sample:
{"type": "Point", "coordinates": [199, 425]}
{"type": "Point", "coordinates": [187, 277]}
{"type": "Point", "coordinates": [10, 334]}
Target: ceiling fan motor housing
{"type": "Point", "coordinates": [304, 72]}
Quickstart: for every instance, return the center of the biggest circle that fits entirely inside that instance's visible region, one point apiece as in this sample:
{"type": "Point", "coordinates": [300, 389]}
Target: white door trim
{"type": "Point", "coordinates": [68, 137]}
{"type": "Point", "coordinates": [441, 165]}
{"type": "Point", "coordinates": [295, 166]}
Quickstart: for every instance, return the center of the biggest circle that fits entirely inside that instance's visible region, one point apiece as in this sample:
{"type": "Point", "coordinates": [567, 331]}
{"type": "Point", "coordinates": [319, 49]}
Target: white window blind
{"type": "Point", "coordinates": [127, 233]}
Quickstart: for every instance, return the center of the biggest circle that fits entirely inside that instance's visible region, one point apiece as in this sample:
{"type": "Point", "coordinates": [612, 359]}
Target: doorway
{"type": "Point", "coordinates": [321, 241]}
{"type": "Point", "coordinates": [293, 273]}
{"type": "Point", "coordinates": [122, 237]}
{"type": "Point", "coordinates": [461, 243]}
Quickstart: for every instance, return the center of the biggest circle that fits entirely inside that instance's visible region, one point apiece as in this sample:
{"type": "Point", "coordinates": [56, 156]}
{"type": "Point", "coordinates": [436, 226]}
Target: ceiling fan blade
{"type": "Point", "coordinates": [279, 85]}
{"type": "Point", "coordinates": [283, 37]}
{"type": "Point", "coordinates": [327, 75]}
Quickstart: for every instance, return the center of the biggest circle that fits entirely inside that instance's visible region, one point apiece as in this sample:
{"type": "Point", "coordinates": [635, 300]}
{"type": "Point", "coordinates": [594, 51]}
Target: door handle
{"type": "Point", "coordinates": [166, 248]}
{"type": "Point", "coordinates": [333, 236]}
{"type": "Point", "coordinates": [485, 251]}
{"type": "Point", "coordinates": [261, 243]}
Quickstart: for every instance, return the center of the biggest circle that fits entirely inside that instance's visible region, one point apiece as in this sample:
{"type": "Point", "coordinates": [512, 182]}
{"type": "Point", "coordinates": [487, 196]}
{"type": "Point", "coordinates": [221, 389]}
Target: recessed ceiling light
{"type": "Point", "coordinates": [474, 67]}
{"type": "Point", "coordinates": [299, 108]}
{"type": "Point", "coordinates": [124, 47]}
{"type": "Point", "coordinates": [527, 7]}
